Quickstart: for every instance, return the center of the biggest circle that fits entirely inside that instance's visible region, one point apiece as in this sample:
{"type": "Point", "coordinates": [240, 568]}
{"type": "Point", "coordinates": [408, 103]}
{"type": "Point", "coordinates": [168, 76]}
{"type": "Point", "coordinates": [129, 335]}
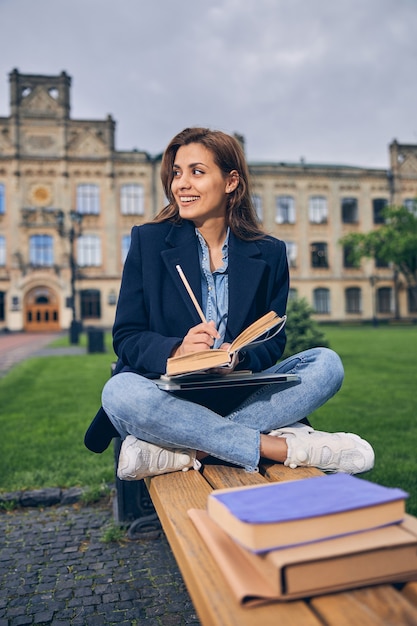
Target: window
{"type": "Point", "coordinates": [381, 262]}
{"type": "Point", "coordinates": [378, 205]}
{"type": "Point", "coordinates": [349, 210]}
{"type": "Point", "coordinates": [285, 210]}
{"type": "Point", "coordinates": [2, 251]}
{"type": "Point", "coordinates": [319, 257]}
{"type": "Point", "coordinates": [15, 303]}
{"type": "Point", "coordinates": [412, 299]}
{"type": "Point", "coordinates": [257, 204]}
{"type": "Point", "coordinates": [321, 298]}
{"type": "Point", "coordinates": [90, 304]}
{"type": "Point", "coordinates": [317, 209]}
{"type": "Point", "coordinates": [291, 253]}
{"type": "Point", "coordinates": [384, 300]}
{"type": "Point", "coordinates": [2, 306]}
{"type": "Point", "coordinates": [132, 199]}
{"type": "Point", "coordinates": [125, 246]}
{"type": "Point", "coordinates": [353, 299]}
{"type": "Point", "coordinates": [2, 200]}
{"type": "Point", "coordinates": [292, 293]}
{"type": "Point", "coordinates": [348, 260]}
{"type": "Point", "coordinates": [88, 200]}
{"type": "Point", "coordinates": [41, 253]}
{"type": "Point", "coordinates": [89, 251]}
{"type": "Point", "coordinates": [411, 205]}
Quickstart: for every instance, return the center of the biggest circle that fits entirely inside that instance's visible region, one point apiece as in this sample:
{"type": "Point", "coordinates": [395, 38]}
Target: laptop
{"type": "Point", "coordinates": [212, 381]}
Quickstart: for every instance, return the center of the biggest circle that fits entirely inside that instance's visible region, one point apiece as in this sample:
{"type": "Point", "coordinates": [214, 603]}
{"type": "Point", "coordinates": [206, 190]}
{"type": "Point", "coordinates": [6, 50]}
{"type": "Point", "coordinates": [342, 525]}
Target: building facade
{"type": "Point", "coordinates": [68, 200]}
{"type": "Point", "coordinates": [311, 207]}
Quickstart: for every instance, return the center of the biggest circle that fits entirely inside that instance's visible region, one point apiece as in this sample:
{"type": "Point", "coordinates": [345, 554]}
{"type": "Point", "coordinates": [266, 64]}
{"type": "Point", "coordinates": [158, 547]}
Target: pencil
{"type": "Point", "coordinates": [190, 293]}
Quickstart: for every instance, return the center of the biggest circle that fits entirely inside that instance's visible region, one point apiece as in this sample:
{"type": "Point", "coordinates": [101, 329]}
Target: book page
{"type": "Point", "coordinates": [256, 330]}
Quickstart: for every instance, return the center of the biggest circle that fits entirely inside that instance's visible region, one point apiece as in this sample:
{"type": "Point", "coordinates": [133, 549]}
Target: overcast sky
{"type": "Point", "coordinates": [331, 81]}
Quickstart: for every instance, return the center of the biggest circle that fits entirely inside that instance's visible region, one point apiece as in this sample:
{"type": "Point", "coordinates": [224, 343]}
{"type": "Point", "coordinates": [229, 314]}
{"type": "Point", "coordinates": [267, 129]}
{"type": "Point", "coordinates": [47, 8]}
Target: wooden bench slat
{"type": "Point", "coordinates": [218, 478]}
{"type": "Point", "coordinates": [341, 609]}
{"type": "Point", "coordinates": [278, 473]}
{"type": "Point", "coordinates": [410, 592]}
{"type": "Point", "coordinates": [389, 603]}
{"type": "Point", "coordinates": [380, 605]}
{"type": "Point", "coordinates": [172, 495]}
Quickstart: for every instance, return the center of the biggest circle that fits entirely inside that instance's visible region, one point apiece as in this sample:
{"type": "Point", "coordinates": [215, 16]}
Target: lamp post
{"type": "Point", "coordinates": [373, 280]}
{"type": "Point", "coordinates": [72, 235]}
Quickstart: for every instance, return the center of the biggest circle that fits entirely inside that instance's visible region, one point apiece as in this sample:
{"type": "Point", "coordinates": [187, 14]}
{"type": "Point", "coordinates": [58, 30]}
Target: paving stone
{"type": "Point", "coordinates": [16, 609]}
{"type": "Point", "coordinates": [46, 579]}
{"type": "Point", "coordinates": [44, 618]}
{"type": "Point", "coordinates": [22, 620]}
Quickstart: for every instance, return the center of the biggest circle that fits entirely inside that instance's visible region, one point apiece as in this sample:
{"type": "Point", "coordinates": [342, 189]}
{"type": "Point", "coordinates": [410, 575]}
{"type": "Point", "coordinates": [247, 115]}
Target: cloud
{"type": "Point", "coordinates": [330, 81]}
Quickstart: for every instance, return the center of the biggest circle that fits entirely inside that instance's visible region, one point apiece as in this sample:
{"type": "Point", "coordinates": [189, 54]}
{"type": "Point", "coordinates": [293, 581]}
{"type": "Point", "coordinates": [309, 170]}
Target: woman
{"type": "Point", "coordinates": [238, 273]}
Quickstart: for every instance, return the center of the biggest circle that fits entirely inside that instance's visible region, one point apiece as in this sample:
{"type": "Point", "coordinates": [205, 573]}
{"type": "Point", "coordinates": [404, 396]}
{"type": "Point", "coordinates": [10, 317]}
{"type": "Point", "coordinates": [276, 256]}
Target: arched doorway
{"type": "Point", "coordinates": [41, 310]}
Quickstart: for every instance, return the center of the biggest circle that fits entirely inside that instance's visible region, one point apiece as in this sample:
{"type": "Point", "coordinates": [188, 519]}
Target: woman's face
{"type": "Point", "coordinates": [199, 186]}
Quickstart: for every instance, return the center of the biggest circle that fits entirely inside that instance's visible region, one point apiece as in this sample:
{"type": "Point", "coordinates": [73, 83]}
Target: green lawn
{"type": "Point", "coordinates": [48, 402]}
{"type": "Point", "coordinates": [378, 399]}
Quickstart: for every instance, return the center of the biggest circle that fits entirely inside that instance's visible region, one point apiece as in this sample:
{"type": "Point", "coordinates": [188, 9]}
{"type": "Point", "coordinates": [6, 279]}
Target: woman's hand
{"type": "Point", "coordinates": [200, 337]}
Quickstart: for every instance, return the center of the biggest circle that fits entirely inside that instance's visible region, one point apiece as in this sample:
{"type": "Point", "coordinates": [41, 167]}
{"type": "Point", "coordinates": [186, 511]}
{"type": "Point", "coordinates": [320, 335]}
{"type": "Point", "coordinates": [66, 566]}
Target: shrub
{"type": "Point", "coordinates": [302, 331]}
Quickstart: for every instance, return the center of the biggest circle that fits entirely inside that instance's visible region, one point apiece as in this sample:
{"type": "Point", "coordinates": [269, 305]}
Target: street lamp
{"type": "Point", "coordinates": [373, 280]}
{"type": "Point", "coordinates": [72, 234]}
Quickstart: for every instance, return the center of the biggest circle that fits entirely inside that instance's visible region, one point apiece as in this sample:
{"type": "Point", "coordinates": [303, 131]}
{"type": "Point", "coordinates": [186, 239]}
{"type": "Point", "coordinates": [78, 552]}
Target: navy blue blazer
{"type": "Point", "coordinates": [155, 312]}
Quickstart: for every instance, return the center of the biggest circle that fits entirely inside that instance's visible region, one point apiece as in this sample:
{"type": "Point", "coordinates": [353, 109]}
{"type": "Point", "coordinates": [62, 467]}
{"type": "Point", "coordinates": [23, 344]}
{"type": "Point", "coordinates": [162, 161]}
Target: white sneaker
{"type": "Point", "coordinates": [138, 459]}
{"type": "Point", "coordinates": [329, 452]}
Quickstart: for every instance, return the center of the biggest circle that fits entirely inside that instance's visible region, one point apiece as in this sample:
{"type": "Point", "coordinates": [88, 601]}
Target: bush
{"type": "Point", "coordinates": [302, 331]}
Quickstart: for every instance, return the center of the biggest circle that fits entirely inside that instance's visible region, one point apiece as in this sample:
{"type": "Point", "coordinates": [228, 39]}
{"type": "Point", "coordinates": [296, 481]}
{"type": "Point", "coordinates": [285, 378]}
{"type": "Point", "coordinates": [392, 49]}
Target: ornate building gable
{"type": "Point", "coordinates": [40, 102]}
{"type": "Point", "coordinates": [88, 143]}
{"type": "Point", "coordinates": [39, 96]}
{"type": "Point", "coordinates": [403, 160]}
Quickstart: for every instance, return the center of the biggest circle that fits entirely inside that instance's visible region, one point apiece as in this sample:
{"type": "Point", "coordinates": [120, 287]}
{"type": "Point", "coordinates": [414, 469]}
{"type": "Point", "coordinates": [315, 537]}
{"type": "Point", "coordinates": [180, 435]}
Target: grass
{"type": "Point", "coordinates": [47, 404]}
{"type": "Point", "coordinates": [378, 400]}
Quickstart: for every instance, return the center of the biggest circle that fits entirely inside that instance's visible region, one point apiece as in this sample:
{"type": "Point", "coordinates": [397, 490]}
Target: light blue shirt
{"type": "Point", "coordinates": [215, 287]}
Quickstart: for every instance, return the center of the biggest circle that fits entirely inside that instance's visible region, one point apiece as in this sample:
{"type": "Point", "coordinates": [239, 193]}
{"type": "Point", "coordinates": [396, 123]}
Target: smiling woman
{"type": "Point", "coordinates": [238, 274]}
{"type": "Point", "coordinates": [226, 153]}
{"type": "Point", "coordinates": [200, 188]}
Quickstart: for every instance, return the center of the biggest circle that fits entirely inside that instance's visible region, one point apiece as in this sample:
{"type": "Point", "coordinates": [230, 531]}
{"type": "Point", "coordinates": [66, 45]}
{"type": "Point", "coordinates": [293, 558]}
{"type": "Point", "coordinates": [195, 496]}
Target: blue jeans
{"type": "Point", "coordinates": [136, 406]}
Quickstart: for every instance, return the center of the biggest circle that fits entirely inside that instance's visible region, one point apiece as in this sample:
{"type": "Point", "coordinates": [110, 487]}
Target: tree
{"type": "Point", "coordinates": [302, 331]}
{"type": "Point", "coordinates": [394, 242]}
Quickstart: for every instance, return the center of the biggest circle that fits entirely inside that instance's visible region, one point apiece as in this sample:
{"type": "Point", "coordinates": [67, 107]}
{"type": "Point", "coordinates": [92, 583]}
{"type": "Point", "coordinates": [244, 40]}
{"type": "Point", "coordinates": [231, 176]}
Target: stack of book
{"type": "Point", "coordinates": [306, 537]}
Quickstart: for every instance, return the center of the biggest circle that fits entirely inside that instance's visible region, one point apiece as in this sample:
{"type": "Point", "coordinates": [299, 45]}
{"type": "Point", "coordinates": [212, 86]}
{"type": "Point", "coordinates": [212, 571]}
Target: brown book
{"type": "Point", "coordinates": [382, 555]}
{"type": "Point", "coordinates": [208, 359]}
{"type": "Point", "coordinates": [276, 515]}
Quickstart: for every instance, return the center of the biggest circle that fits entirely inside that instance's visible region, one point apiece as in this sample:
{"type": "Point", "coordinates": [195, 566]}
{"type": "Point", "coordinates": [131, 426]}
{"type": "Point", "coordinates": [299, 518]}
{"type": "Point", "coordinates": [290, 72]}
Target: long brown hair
{"type": "Point", "coordinates": [228, 156]}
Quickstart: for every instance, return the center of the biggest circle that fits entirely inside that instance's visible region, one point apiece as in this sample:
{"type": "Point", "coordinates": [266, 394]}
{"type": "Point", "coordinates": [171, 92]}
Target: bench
{"type": "Point", "coordinates": [173, 494]}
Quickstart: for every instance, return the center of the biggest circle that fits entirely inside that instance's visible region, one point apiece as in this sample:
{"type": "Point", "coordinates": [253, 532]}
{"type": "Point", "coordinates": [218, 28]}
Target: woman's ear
{"type": "Point", "coordinates": [232, 181]}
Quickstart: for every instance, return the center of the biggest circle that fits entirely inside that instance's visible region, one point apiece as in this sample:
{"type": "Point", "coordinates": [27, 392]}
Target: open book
{"type": "Point", "coordinates": [214, 358]}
